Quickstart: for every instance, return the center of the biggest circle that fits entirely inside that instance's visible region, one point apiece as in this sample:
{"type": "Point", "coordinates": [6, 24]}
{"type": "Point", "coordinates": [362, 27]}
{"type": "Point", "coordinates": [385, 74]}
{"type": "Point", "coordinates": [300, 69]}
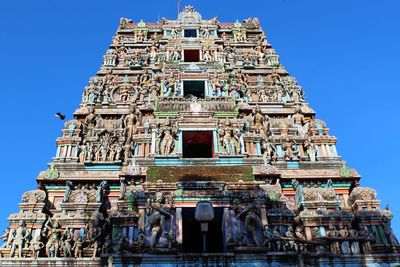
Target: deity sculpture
{"type": "Point", "coordinates": [78, 247]}
{"type": "Point", "coordinates": [132, 122]}
{"type": "Point", "coordinates": [37, 246]}
{"type": "Point", "coordinates": [54, 234]}
{"type": "Point", "coordinates": [156, 221]}
{"type": "Point", "coordinates": [246, 211]}
{"type": "Point", "coordinates": [69, 186]}
{"type": "Point", "coordinates": [19, 239]}
{"type": "Point", "coordinates": [93, 235]}
{"type": "Point", "coordinates": [166, 138]}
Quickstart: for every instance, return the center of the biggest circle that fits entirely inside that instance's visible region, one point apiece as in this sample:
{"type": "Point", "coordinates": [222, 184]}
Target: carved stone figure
{"type": "Point", "coordinates": [132, 122]}
{"type": "Point", "coordinates": [386, 219]}
{"type": "Point", "coordinates": [6, 238]}
{"type": "Point", "coordinates": [78, 248]}
{"type": "Point", "coordinates": [54, 234]}
{"type": "Point", "coordinates": [69, 186]}
{"type": "Point", "coordinates": [37, 246]}
{"type": "Point", "coordinates": [156, 221]}
{"type": "Point", "coordinates": [251, 221]}
{"type": "Point", "coordinates": [100, 191]}
{"type": "Point", "coordinates": [20, 238]}
{"type": "Point", "coordinates": [332, 232]}
{"type": "Point", "coordinates": [94, 232]}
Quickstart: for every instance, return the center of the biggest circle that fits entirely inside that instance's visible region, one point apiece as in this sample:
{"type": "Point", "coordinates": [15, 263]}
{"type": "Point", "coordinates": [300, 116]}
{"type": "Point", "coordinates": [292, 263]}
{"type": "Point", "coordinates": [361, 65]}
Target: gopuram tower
{"type": "Point", "coordinates": [194, 145]}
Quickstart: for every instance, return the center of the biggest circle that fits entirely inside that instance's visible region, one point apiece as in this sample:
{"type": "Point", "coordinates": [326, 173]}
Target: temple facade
{"type": "Point", "coordinates": [193, 145]}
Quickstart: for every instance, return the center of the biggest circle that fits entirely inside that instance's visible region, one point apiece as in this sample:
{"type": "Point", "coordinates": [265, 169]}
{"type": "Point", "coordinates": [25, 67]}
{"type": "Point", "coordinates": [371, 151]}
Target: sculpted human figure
{"type": "Point", "coordinates": [6, 237]}
{"type": "Point", "coordinates": [332, 232]}
{"type": "Point", "coordinates": [123, 187]}
{"type": "Point", "coordinates": [93, 236]}
{"type": "Point", "coordinates": [354, 244]}
{"type": "Point", "coordinates": [176, 55]}
{"type": "Point", "coordinates": [310, 149]}
{"type": "Point", "coordinates": [156, 220]}
{"type": "Point", "coordinates": [278, 238]}
{"type": "Point", "coordinates": [298, 119]}
{"type": "Point", "coordinates": [289, 150]}
{"type": "Point", "coordinates": [166, 139]}
{"type": "Point", "coordinates": [258, 120]}
{"type": "Point", "coordinates": [251, 221]}
{"type": "Point", "coordinates": [36, 247]}
{"type": "Point", "coordinates": [21, 236]}
{"type": "Point", "coordinates": [386, 219]}
{"type": "Point", "coordinates": [54, 234]}
{"type": "Point", "coordinates": [207, 54]}
{"type": "Point", "coordinates": [132, 122]}
{"type": "Point", "coordinates": [78, 247]}
{"type": "Point", "coordinates": [100, 191]}
{"type": "Point", "coordinates": [290, 244]}
{"type": "Point", "coordinates": [140, 36]}
{"type": "Point", "coordinates": [69, 186]}
{"type": "Point", "coordinates": [67, 245]}
{"type": "Point", "coordinates": [268, 237]}
{"type": "Point", "coordinates": [90, 122]}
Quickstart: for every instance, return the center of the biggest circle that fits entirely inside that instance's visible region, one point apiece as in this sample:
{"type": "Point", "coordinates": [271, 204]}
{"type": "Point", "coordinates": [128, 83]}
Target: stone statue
{"type": "Point", "coordinates": [207, 54]}
{"type": "Point", "coordinates": [122, 189]}
{"type": "Point", "coordinates": [67, 245]}
{"type": "Point", "coordinates": [93, 236]}
{"type": "Point", "coordinates": [290, 244]}
{"type": "Point", "coordinates": [158, 212]}
{"type": "Point", "coordinates": [100, 191]}
{"type": "Point", "coordinates": [20, 238]}
{"type": "Point", "coordinates": [69, 186]}
{"type": "Point", "coordinates": [132, 122]}
{"type": "Point", "coordinates": [251, 221]}
{"type": "Point", "coordinates": [166, 139]}
{"type": "Point", "coordinates": [36, 247]}
{"type": "Point", "coordinates": [268, 237]}
{"type": "Point", "coordinates": [354, 244]}
{"type": "Point", "coordinates": [298, 119]}
{"type": "Point", "coordinates": [289, 150]}
{"type": "Point", "coordinates": [54, 234]}
{"type": "Point", "coordinates": [6, 238]}
{"type": "Point", "coordinates": [332, 232]}
{"type": "Point", "coordinates": [78, 248]}
{"type": "Point", "coordinates": [386, 219]}
{"type": "Point", "coordinates": [310, 149]}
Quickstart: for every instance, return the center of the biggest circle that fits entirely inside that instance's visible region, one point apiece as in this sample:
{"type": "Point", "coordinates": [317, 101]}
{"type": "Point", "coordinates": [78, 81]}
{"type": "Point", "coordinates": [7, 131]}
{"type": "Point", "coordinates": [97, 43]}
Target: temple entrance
{"type": "Point", "coordinates": [197, 144]}
{"type": "Point", "coordinates": [193, 88]}
{"type": "Point", "coordinates": [192, 236]}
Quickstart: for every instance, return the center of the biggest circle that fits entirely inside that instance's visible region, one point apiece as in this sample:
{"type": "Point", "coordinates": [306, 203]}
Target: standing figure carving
{"type": "Point", "coordinates": [132, 122]}
{"type": "Point", "coordinates": [20, 238]}
{"type": "Point", "coordinates": [156, 220]}
{"type": "Point", "coordinates": [54, 234]}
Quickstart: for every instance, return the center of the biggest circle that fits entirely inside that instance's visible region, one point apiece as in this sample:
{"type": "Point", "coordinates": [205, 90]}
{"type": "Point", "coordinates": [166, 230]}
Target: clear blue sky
{"type": "Point", "coordinates": [344, 53]}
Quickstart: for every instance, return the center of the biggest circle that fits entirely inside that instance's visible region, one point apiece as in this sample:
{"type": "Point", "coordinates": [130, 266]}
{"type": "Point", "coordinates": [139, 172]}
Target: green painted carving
{"type": "Point", "coordinates": [52, 172]}
{"type": "Point", "coordinates": [345, 171]}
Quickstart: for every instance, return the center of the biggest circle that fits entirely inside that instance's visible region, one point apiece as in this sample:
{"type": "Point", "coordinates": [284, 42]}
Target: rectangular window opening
{"type": "Point", "coordinates": [194, 88]}
{"type": "Point", "coordinates": [190, 33]}
{"type": "Point", "coordinates": [191, 55]}
{"type": "Point", "coordinates": [197, 144]}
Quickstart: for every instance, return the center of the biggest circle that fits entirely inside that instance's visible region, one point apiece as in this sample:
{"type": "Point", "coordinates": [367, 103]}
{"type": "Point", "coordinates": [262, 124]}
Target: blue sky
{"type": "Point", "coordinates": [344, 53]}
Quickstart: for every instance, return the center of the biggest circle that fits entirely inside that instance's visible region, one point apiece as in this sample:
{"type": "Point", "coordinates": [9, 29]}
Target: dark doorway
{"type": "Point", "coordinates": [190, 33]}
{"type": "Point", "coordinates": [192, 235]}
{"type": "Point", "coordinates": [197, 144]}
{"type": "Point", "coordinates": [193, 88]}
{"type": "Point", "coordinates": [191, 55]}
